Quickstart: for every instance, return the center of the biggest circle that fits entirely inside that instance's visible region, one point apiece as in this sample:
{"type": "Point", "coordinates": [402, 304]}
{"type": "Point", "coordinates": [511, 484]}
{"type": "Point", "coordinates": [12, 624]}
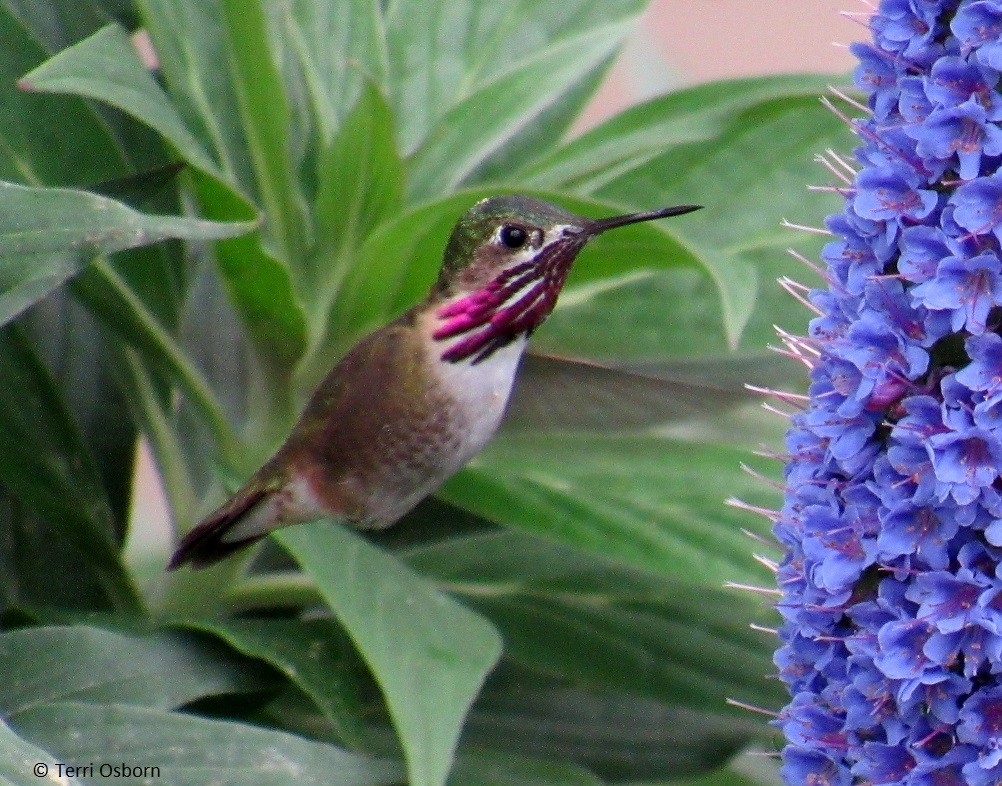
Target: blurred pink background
{"type": "Point", "coordinates": [682, 42]}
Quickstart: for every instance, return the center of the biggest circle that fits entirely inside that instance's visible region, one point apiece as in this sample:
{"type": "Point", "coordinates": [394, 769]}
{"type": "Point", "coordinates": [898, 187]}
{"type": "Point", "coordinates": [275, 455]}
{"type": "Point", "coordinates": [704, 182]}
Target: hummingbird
{"type": "Point", "coordinates": [411, 403]}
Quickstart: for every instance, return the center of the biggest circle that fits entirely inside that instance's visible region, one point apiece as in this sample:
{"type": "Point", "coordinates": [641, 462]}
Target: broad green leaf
{"type": "Point", "coordinates": [306, 652]}
{"type": "Point", "coordinates": [191, 43]}
{"type": "Point", "coordinates": [643, 132]}
{"type": "Point", "coordinates": [84, 370]}
{"type": "Point", "coordinates": [18, 759]}
{"type": "Point", "coordinates": [34, 550]}
{"type": "Point", "coordinates": [110, 138]}
{"type": "Point", "coordinates": [598, 623]}
{"type": "Point", "coordinates": [46, 465]}
{"type": "Point", "coordinates": [193, 751]}
{"type": "Point", "coordinates": [111, 300]}
{"type": "Point", "coordinates": [440, 53]}
{"type": "Point", "coordinates": [260, 285]}
{"type": "Point", "coordinates": [360, 185]}
{"type": "Point", "coordinates": [507, 769]}
{"type": "Point", "coordinates": [106, 67]}
{"type": "Point", "coordinates": [691, 650]}
{"type": "Point", "coordinates": [654, 502]}
{"type": "Point", "coordinates": [47, 235]}
{"type": "Point", "coordinates": [673, 314]}
{"type": "Point", "coordinates": [542, 133]}
{"type": "Point", "coordinates": [749, 177]}
{"type": "Point", "coordinates": [428, 653]}
{"type": "Point", "coordinates": [228, 362]}
{"type": "Point", "coordinates": [482, 122]}
{"type": "Point", "coordinates": [33, 149]}
{"type": "Point", "coordinates": [82, 663]}
{"type": "Point", "coordinates": [337, 45]}
{"type": "Point", "coordinates": [57, 24]}
{"type": "Point", "coordinates": [618, 736]}
{"type": "Point", "coordinates": [751, 768]}
{"type": "Point", "coordinates": [266, 121]}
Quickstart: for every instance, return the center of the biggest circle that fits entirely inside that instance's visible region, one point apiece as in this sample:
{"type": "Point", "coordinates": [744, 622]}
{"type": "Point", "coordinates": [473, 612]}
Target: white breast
{"type": "Point", "coordinates": [481, 391]}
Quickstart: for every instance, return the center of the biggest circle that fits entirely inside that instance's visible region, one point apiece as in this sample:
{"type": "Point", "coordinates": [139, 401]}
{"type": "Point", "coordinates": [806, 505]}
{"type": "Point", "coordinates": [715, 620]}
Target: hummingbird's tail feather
{"type": "Point", "coordinates": [220, 533]}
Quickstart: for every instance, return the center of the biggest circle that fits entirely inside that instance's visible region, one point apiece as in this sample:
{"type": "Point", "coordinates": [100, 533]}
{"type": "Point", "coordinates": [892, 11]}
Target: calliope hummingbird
{"type": "Point", "coordinates": [410, 404]}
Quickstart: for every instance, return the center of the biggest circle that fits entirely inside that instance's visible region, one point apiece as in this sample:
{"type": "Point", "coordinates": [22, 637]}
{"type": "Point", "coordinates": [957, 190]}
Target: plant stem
{"type": "Point", "coordinates": [166, 447]}
{"type": "Point", "coordinates": [272, 590]}
{"type": "Point", "coordinates": [114, 302]}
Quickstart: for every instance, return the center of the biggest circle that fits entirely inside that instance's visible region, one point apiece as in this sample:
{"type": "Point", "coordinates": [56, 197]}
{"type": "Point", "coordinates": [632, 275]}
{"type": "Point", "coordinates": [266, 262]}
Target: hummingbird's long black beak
{"type": "Point", "coordinates": [602, 224]}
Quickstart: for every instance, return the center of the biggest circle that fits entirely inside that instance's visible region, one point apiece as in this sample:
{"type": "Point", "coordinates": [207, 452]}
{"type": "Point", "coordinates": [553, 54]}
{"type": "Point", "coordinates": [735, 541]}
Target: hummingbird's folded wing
{"type": "Point", "coordinates": [568, 394]}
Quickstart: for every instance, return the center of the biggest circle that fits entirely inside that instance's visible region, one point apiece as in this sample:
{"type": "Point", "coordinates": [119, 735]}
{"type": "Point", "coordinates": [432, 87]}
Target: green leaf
{"type": "Point", "coordinates": [57, 24]}
{"type": "Point", "coordinates": [34, 550]}
{"type": "Point", "coordinates": [83, 371]}
{"type": "Point", "coordinates": [752, 768]}
{"type": "Point", "coordinates": [643, 132]}
{"type": "Point", "coordinates": [670, 649]}
{"type": "Point", "coordinates": [654, 502]}
{"type": "Point", "coordinates": [18, 757]}
{"type": "Point", "coordinates": [598, 623]}
{"type": "Point", "coordinates": [47, 466]}
{"type": "Point", "coordinates": [192, 750]}
{"type": "Point", "coordinates": [112, 301]}
{"type": "Point", "coordinates": [749, 177]}
{"type": "Point", "coordinates": [428, 653]}
{"type": "Point", "coordinates": [441, 53]}
{"type": "Point", "coordinates": [507, 769]}
{"type": "Point", "coordinates": [47, 235]}
{"type": "Point", "coordinates": [618, 736]}
{"type": "Point", "coordinates": [625, 318]}
{"type": "Point", "coordinates": [266, 121]}
{"type": "Point", "coordinates": [106, 67]}
{"type": "Point", "coordinates": [360, 185]}
{"type": "Point", "coordinates": [34, 149]}
{"type": "Point", "coordinates": [482, 122]}
{"type": "Point", "coordinates": [542, 133]}
{"type": "Point", "coordinates": [305, 651]}
{"type": "Point", "coordinates": [192, 57]}
{"type": "Point", "coordinates": [260, 285]}
{"type": "Point", "coordinates": [338, 45]}
{"type": "Point", "coordinates": [82, 663]}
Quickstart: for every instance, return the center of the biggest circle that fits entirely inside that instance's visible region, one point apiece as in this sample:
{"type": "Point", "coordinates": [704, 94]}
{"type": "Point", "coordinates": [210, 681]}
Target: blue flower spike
{"type": "Point", "coordinates": [891, 582]}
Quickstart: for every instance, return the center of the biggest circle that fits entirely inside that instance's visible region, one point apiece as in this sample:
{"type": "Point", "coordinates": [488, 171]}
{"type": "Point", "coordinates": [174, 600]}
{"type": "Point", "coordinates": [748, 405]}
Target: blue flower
{"type": "Point", "coordinates": [801, 765]}
{"type": "Point", "coordinates": [908, 28]}
{"type": "Point", "coordinates": [969, 289]}
{"type": "Point", "coordinates": [963, 131]}
{"type": "Point", "coordinates": [981, 725]}
{"type": "Point", "coordinates": [978, 28]}
{"type": "Point", "coordinates": [876, 75]}
{"type": "Point", "coordinates": [954, 81]}
{"type": "Point", "coordinates": [891, 523]}
{"type": "Point", "coordinates": [884, 763]}
{"type": "Point", "coordinates": [922, 248]}
{"type": "Point", "coordinates": [978, 206]}
{"type": "Point", "coordinates": [984, 373]}
{"type": "Point", "coordinates": [892, 193]}
{"type": "Point", "coordinates": [909, 529]}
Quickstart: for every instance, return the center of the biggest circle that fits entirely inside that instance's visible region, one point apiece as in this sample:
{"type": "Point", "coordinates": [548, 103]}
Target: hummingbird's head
{"type": "Point", "coordinates": [504, 266]}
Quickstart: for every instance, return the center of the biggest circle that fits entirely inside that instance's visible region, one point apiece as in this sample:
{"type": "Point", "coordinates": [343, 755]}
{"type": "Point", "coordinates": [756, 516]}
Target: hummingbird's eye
{"type": "Point", "coordinates": [513, 236]}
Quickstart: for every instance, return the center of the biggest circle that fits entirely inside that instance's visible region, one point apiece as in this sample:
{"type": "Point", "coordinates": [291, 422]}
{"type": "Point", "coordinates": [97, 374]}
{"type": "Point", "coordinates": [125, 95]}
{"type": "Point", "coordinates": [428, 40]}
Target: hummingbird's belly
{"type": "Point", "coordinates": [463, 409]}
